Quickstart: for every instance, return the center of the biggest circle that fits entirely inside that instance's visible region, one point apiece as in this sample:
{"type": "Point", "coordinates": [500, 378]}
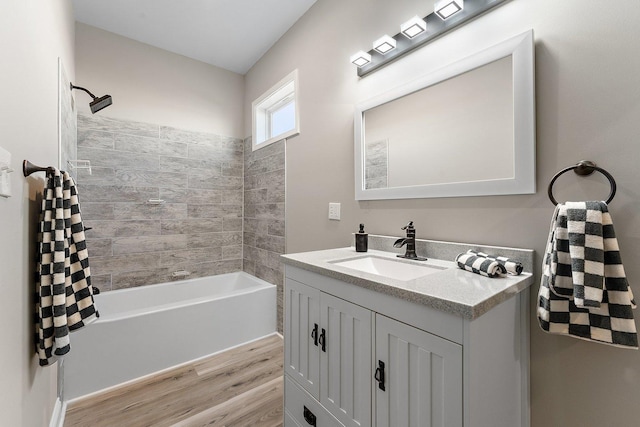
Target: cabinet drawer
{"type": "Point", "coordinates": [297, 400]}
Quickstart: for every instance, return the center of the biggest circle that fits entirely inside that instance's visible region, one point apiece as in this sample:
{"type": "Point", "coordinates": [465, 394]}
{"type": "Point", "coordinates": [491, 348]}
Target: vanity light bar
{"type": "Point", "coordinates": [447, 8]}
{"type": "Point", "coordinates": [413, 27]}
{"type": "Point", "coordinates": [417, 32]}
{"type": "Point", "coordinates": [360, 58]}
{"type": "Point", "coordinates": [384, 44]}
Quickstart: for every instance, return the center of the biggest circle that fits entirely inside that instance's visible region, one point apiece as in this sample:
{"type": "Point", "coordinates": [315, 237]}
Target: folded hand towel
{"type": "Point", "coordinates": [584, 291]}
{"type": "Point", "coordinates": [512, 266]}
{"type": "Point", "coordinates": [480, 265]}
{"type": "Point", "coordinates": [65, 295]}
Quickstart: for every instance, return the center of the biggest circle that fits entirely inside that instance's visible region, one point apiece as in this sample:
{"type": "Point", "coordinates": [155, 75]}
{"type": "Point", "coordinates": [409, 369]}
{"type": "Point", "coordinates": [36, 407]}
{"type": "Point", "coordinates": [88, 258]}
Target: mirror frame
{"type": "Point", "coordinates": [521, 48]}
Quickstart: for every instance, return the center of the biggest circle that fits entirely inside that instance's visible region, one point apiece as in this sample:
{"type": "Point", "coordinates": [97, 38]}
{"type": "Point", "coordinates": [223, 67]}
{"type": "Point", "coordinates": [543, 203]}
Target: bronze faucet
{"type": "Point", "coordinates": [410, 241]}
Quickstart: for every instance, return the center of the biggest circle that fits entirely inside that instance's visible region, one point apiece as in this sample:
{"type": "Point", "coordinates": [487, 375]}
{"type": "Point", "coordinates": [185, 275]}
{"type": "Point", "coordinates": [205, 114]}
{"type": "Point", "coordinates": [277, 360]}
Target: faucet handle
{"type": "Point", "coordinates": [409, 226]}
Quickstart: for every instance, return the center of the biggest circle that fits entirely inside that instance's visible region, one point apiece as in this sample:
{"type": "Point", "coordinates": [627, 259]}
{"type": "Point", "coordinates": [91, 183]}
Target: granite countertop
{"type": "Point", "coordinates": [451, 290]}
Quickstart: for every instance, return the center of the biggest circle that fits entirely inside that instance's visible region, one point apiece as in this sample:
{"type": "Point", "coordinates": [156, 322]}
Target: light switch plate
{"type": "Point", "coordinates": [334, 211]}
{"type": "Point", "coordinates": [5, 173]}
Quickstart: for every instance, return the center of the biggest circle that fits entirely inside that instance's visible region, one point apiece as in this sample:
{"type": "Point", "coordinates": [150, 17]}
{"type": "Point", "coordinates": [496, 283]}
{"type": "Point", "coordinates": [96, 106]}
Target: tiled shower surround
{"type": "Point", "coordinates": [206, 182]}
{"type": "Point", "coordinates": [264, 196]}
{"type": "Point", "coordinates": [198, 228]}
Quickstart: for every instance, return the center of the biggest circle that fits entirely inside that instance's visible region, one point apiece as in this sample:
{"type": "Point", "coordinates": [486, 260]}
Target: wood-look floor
{"type": "Point", "coordinates": [240, 387]}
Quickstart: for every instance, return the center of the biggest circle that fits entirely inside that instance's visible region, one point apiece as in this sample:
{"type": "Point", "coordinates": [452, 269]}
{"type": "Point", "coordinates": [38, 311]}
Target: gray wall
{"type": "Point", "coordinates": [152, 85]}
{"type": "Point", "coordinates": [264, 225]}
{"type": "Point", "coordinates": [198, 175]}
{"type": "Point", "coordinates": [588, 104]}
{"type": "Point", "coordinates": [33, 34]}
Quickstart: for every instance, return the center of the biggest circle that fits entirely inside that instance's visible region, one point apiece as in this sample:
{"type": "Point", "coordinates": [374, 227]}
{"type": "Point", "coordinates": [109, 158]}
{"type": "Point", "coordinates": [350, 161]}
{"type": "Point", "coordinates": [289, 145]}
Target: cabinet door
{"type": "Point", "coordinates": [422, 377]}
{"type": "Point", "coordinates": [301, 329]}
{"type": "Point", "coordinates": [345, 360]}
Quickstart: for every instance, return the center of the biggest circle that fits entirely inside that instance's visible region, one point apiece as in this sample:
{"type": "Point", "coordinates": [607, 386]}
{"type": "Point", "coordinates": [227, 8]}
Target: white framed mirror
{"type": "Point", "coordinates": [467, 129]}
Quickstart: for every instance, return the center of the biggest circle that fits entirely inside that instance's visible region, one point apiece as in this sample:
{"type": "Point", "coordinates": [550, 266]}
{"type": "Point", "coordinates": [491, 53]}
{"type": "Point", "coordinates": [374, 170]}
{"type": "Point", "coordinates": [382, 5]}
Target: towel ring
{"type": "Point", "coordinates": [583, 168]}
{"type": "Point", "coordinates": [28, 168]}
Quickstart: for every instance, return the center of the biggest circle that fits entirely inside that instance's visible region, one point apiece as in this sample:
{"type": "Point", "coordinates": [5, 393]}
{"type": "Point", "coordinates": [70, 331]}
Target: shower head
{"type": "Point", "coordinates": [98, 103]}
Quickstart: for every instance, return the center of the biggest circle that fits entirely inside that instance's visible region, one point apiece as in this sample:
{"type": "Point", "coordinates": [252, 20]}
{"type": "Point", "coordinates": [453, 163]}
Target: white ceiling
{"type": "Point", "coordinates": [231, 34]}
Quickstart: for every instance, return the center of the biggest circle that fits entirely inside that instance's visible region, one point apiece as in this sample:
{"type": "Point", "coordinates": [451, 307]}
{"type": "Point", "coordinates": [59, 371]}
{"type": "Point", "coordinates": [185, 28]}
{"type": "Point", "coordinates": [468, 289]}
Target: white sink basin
{"type": "Point", "coordinates": [387, 267]}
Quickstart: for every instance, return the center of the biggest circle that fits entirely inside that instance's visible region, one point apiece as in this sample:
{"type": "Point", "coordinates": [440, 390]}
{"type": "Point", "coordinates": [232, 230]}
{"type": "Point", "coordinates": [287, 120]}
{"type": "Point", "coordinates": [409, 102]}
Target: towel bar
{"type": "Point", "coordinates": [583, 168]}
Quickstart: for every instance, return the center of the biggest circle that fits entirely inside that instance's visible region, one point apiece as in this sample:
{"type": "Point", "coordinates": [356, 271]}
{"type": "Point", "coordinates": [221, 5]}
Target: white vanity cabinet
{"type": "Point", "coordinates": [422, 377]}
{"type": "Point", "coordinates": [356, 357]}
{"type": "Point", "coordinates": [328, 352]}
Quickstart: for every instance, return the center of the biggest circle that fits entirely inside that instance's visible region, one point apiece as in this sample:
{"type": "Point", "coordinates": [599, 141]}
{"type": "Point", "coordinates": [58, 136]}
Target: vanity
{"type": "Point", "coordinates": [375, 340]}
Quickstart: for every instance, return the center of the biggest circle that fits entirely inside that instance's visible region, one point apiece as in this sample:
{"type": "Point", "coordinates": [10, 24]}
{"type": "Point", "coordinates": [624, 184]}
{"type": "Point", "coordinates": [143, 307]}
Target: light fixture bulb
{"type": "Point", "coordinates": [361, 58]}
{"type": "Point", "coordinates": [384, 44]}
{"type": "Point", "coordinates": [447, 8]}
{"type": "Point", "coordinates": [413, 27]}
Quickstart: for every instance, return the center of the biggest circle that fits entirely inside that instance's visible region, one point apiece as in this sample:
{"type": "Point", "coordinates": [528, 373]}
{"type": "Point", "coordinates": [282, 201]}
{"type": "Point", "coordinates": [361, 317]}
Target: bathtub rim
{"type": "Point", "coordinates": [107, 318]}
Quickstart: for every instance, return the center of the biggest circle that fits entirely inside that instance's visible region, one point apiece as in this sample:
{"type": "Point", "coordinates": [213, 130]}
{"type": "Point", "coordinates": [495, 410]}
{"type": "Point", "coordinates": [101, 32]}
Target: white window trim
{"type": "Point", "coordinates": [259, 113]}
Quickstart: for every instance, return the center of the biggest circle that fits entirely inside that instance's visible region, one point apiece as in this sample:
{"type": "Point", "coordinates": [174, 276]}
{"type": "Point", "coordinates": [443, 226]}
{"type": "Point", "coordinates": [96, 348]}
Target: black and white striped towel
{"type": "Point", "coordinates": [480, 265]}
{"type": "Point", "coordinates": [65, 296]}
{"type": "Point", "coordinates": [584, 290]}
{"type": "Point", "coordinates": [512, 266]}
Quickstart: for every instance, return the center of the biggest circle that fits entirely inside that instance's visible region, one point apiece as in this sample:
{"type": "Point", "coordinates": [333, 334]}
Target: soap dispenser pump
{"type": "Point", "coordinates": [362, 240]}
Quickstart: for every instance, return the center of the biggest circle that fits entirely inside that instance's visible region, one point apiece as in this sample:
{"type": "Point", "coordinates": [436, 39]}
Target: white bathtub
{"type": "Point", "coordinates": [151, 328]}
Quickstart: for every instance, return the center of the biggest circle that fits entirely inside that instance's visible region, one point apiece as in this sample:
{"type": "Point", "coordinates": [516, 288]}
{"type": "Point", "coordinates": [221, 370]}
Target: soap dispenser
{"type": "Point", "coordinates": [362, 240]}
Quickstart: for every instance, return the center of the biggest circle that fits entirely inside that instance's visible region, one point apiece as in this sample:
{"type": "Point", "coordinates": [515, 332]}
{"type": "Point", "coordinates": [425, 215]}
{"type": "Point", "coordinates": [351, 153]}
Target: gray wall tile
{"type": "Point", "coordinates": [153, 146]}
{"type": "Point", "coordinates": [232, 224]}
{"type": "Point", "coordinates": [198, 175]}
{"type": "Point", "coordinates": [100, 122]}
{"type": "Point", "coordinates": [214, 211]}
{"type": "Point", "coordinates": [151, 178]}
{"type": "Point", "coordinates": [115, 193]}
{"type": "Point", "coordinates": [135, 278]}
{"type": "Point", "coordinates": [178, 164]}
{"type": "Point", "coordinates": [232, 197]}
{"type": "Point", "coordinates": [95, 139]}
{"type": "Point", "coordinates": [192, 195]}
{"type": "Point", "coordinates": [95, 211]}
{"type": "Point", "coordinates": [107, 229]}
{"type": "Point", "coordinates": [214, 239]}
{"type": "Point", "coordinates": [99, 247]}
{"type": "Point", "coordinates": [119, 160]}
{"type": "Point", "coordinates": [126, 211]}
{"type": "Point", "coordinates": [213, 179]}
{"type": "Point", "coordinates": [123, 263]}
{"type": "Point", "coordinates": [258, 195]}
{"type": "Point", "coordinates": [264, 215]}
{"type": "Point", "coordinates": [138, 244]}
{"type": "Point", "coordinates": [98, 176]}
{"type": "Point", "coordinates": [191, 256]}
{"type": "Point", "coordinates": [216, 151]}
{"type": "Point", "coordinates": [270, 243]}
{"type": "Point", "coordinates": [232, 252]}
{"type": "Point", "coordinates": [192, 226]}
{"type": "Point", "coordinates": [199, 138]}
{"type": "Point", "coordinates": [276, 228]}
{"type": "Point", "coordinates": [270, 211]}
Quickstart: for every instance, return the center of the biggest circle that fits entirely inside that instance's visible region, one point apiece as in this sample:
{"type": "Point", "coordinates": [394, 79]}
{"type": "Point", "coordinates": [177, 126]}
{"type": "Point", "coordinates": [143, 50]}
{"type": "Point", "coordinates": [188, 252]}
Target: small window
{"type": "Point", "coordinates": [275, 114]}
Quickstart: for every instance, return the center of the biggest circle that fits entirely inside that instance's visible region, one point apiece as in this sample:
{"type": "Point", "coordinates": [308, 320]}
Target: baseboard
{"type": "Point", "coordinates": [57, 417]}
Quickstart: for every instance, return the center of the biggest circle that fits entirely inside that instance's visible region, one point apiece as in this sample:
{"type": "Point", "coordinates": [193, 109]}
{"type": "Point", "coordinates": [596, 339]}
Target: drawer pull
{"type": "Point", "coordinates": [379, 375]}
{"type": "Point", "coordinates": [309, 417]}
{"type": "Point", "coordinates": [323, 340]}
{"type": "Point", "coordinates": [314, 334]}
